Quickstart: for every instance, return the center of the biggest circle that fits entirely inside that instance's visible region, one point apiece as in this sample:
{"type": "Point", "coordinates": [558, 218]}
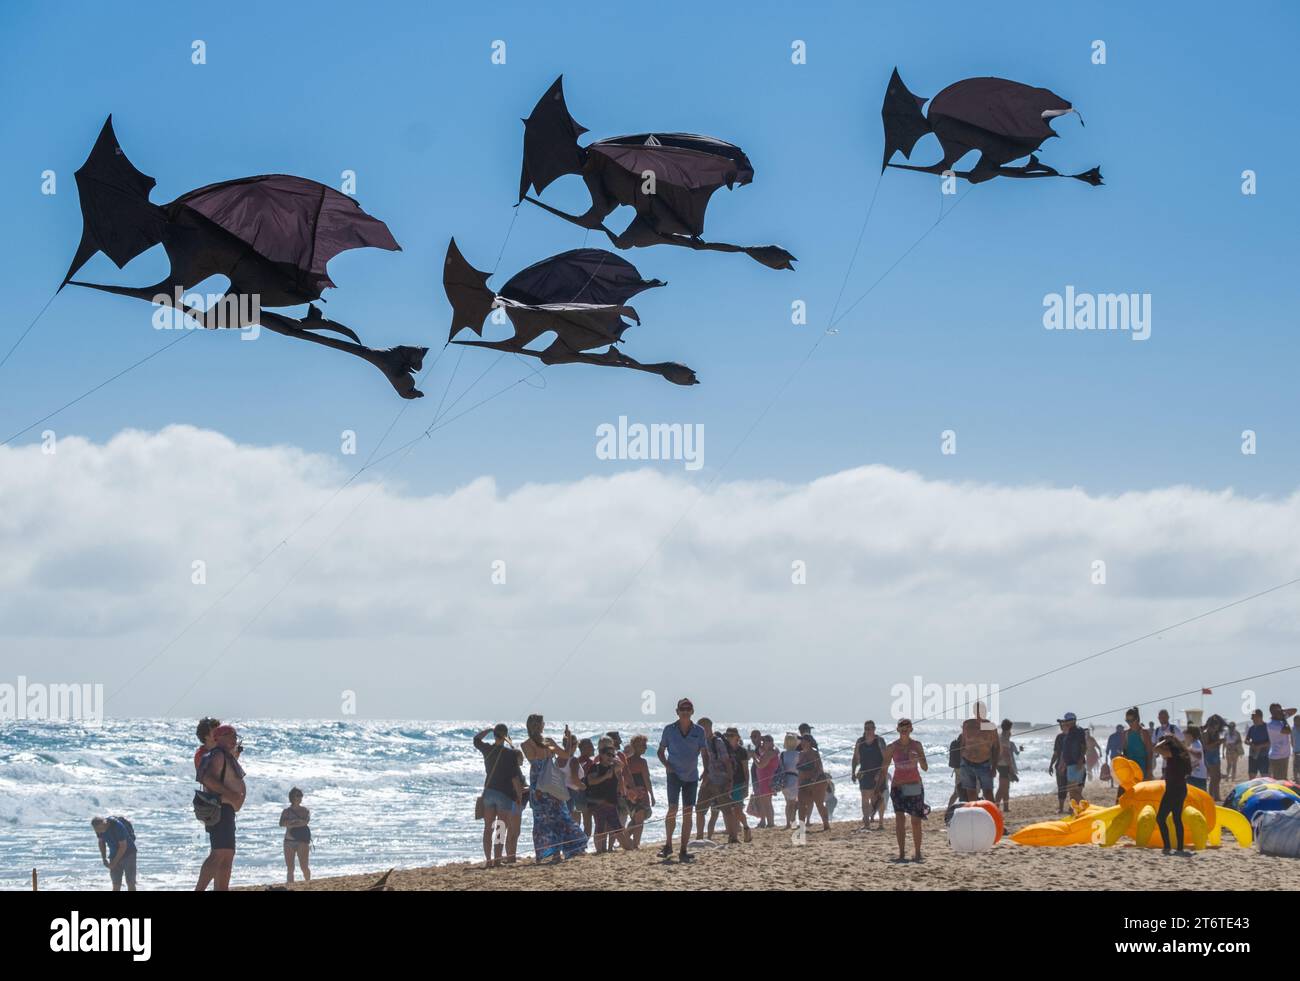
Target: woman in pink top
{"type": "Point", "coordinates": [907, 792]}
{"type": "Point", "coordinates": [766, 762]}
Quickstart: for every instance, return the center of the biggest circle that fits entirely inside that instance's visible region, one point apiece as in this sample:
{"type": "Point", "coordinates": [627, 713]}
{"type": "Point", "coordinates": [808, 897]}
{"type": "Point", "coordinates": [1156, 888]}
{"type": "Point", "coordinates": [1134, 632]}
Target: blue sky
{"type": "Point", "coordinates": [409, 100]}
{"type": "Point", "coordinates": [406, 96]}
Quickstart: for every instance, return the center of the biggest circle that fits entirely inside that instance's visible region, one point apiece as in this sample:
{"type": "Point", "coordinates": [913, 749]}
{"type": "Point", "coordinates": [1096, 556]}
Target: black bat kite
{"type": "Point", "coordinates": [272, 236]}
{"type": "Point", "coordinates": [1003, 120]}
{"type": "Point", "coordinates": [686, 170]}
{"type": "Point", "coordinates": [580, 296]}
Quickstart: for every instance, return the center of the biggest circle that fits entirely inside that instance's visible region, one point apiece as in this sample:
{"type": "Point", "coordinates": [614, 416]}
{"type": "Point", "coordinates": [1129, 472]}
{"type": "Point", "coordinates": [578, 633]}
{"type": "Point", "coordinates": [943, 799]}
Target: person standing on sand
{"type": "Point", "coordinates": [221, 774]}
{"type": "Point", "coordinates": [1137, 743]}
{"type": "Point", "coordinates": [908, 793]}
{"type": "Point", "coordinates": [575, 776]}
{"type": "Point", "coordinates": [295, 819]}
{"type": "Point", "coordinates": [117, 834]}
{"type": "Point", "coordinates": [1114, 748]}
{"type": "Point", "coordinates": [788, 776]}
{"type": "Point", "coordinates": [602, 797]}
{"type": "Point", "coordinates": [1200, 775]}
{"type": "Point", "coordinates": [1232, 750]}
{"type": "Point", "coordinates": [503, 790]}
{"type": "Point", "coordinates": [1257, 741]}
{"type": "Point", "coordinates": [1165, 728]}
{"type": "Point", "coordinates": [1279, 741]}
{"type": "Point", "coordinates": [767, 762]}
{"type": "Point", "coordinates": [1178, 765]}
{"type": "Point", "coordinates": [1092, 753]}
{"type": "Point", "coordinates": [812, 783]}
{"type": "Point", "coordinates": [979, 755]}
{"type": "Point", "coordinates": [739, 781]}
{"type": "Point", "coordinates": [1008, 773]}
{"type": "Point", "coordinates": [555, 834]}
{"type": "Point", "coordinates": [1212, 740]}
{"type": "Point", "coordinates": [680, 747]}
{"type": "Point", "coordinates": [715, 788]}
{"type": "Point", "coordinates": [640, 791]}
{"type": "Point", "coordinates": [1072, 757]}
{"type": "Point", "coordinates": [868, 757]}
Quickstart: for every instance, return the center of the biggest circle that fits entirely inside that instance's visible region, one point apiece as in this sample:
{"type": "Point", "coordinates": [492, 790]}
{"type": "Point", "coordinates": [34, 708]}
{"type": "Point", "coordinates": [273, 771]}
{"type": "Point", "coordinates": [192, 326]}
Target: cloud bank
{"type": "Point", "coordinates": [762, 600]}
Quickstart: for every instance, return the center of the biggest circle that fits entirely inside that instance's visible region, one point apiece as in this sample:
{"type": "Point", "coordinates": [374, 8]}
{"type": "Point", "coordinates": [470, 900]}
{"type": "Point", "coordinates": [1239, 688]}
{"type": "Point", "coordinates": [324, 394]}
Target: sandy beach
{"type": "Point", "coordinates": [845, 859]}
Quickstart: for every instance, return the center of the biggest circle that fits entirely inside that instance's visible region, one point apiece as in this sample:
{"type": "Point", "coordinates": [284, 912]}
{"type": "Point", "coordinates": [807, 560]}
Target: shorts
{"type": "Point", "coordinates": [1257, 766]}
{"type": "Point", "coordinates": [606, 818]}
{"type": "Point", "coordinates": [738, 793]}
{"type": "Point", "coordinates": [867, 779]}
{"type": "Point", "coordinates": [634, 811]}
{"type": "Point", "coordinates": [913, 805]}
{"type": "Point", "coordinates": [125, 868]}
{"type": "Point", "coordinates": [222, 834]}
{"type": "Point", "coordinates": [679, 788]}
{"type": "Point", "coordinates": [1277, 768]}
{"type": "Point", "coordinates": [495, 800]}
{"type": "Point", "coordinates": [712, 796]}
{"type": "Point", "coordinates": [1076, 774]}
{"type": "Point", "coordinates": [969, 774]}
{"type": "Point", "coordinates": [578, 801]}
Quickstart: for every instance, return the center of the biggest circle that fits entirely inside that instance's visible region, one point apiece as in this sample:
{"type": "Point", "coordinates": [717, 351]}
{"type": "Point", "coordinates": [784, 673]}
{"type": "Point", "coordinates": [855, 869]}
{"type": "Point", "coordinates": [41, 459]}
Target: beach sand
{"type": "Point", "coordinates": [845, 860]}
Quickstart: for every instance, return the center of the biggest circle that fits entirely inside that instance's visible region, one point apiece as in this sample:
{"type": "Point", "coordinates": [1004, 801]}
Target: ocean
{"type": "Point", "coordinates": [381, 793]}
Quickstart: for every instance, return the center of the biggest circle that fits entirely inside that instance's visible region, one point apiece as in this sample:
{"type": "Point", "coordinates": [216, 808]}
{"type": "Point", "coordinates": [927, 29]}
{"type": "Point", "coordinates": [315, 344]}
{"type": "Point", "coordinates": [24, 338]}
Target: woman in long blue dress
{"type": "Point", "coordinates": [555, 834]}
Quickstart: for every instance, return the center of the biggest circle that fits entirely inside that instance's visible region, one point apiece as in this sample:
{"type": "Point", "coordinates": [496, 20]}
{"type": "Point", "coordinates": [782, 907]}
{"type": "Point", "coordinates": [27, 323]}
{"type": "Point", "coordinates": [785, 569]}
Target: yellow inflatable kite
{"type": "Point", "coordinates": [1134, 817]}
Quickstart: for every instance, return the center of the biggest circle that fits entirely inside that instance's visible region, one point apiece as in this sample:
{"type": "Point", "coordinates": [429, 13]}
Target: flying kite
{"type": "Point", "coordinates": [271, 235]}
{"type": "Point", "coordinates": [1003, 120]}
{"type": "Point", "coordinates": [580, 296]}
{"type": "Point", "coordinates": [667, 178]}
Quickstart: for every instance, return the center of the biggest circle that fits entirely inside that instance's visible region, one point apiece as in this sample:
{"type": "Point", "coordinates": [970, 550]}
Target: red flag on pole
{"type": "Point", "coordinates": [1206, 691]}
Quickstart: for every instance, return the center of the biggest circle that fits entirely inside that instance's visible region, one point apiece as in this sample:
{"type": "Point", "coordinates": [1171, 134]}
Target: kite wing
{"type": "Point", "coordinates": [293, 223]}
{"type": "Point", "coordinates": [117, 216]}
{"type": "Point", "coordinates": [904, 122]}
{"type": "Point", "coordinates": [591, 276]}
{"type": "Point", "coordinates": [551, 147]}
{"type": "Point", "coordinates": [686, 171]}
{"type": "Point", "coordinates": [467, 292]}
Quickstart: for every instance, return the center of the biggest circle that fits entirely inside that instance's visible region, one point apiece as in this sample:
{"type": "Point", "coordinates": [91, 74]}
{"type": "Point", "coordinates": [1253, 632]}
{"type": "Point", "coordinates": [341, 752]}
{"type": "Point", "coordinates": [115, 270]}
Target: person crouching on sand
{"type": "Point", "coordinates": [221, 774]}
{"type": "Point", "coordinates": [908, 793]}
{"type": "Point", "coordinates": [297, 835]}
{"type": "Point", "coordinates": [1178, 766]}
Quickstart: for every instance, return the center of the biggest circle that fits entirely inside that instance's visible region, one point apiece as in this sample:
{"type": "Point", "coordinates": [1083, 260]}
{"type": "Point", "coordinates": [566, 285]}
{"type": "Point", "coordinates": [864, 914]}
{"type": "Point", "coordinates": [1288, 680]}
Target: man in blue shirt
{"type": "Point", "coordinates": [680, 747]}
{"type": "Point", "coordinates": [1257, 741]}
{"type": "Point", "coordinates": [119, 838]}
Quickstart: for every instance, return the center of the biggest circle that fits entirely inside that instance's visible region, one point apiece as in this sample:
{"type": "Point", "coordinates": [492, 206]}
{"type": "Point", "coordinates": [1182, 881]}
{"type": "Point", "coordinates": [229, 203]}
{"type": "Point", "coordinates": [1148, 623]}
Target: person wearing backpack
{"type": "Point", "coordinates": [223, 777]}
{"type": "Point", "coordinates": [715, 790]}
{"type": "Point", "coordinates": [117, 849]}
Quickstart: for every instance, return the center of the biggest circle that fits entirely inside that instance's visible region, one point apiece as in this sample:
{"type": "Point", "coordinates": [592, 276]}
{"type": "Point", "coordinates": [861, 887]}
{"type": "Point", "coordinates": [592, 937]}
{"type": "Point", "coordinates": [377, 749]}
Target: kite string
{"type": "Point", "coordinates": [23, 336]}
{"type": "Point", "coordinates": [87, 394]}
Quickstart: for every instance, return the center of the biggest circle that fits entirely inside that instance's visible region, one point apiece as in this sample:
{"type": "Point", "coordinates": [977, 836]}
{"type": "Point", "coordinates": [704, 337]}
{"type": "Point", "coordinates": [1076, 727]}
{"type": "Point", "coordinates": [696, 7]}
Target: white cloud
{"type": "Point", "coordinates": [955, 582]}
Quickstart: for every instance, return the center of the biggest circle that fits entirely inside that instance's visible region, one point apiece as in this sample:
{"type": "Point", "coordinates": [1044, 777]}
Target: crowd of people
{"type": "Point", "coordinates": [600, 793]}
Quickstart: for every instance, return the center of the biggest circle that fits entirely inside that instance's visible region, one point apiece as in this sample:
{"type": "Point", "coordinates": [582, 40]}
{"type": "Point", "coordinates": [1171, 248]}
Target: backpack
{"type": "Point", "coordinates": [127, 827]}
{"type": "Point", "coordinates": [719, 767]}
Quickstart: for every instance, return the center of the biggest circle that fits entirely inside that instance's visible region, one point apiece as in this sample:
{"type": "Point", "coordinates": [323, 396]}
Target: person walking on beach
{"type": "Point", "coordinates": [503, 793]}
{"type": "Point", "coordinates": [812, 783]}
{"type": "Point", "coordinates": [555, 834]}
{"type": "Point", "coordinates": [1074, 754]}
{"type": "Point", "coordinates": [117, 836]}
{"type": "Point", "coordinates": [680, 747]}
{"type": "Point", "coordinates": [1232, 751]}
{"type": "Point", "coordinates": [1279, 741]}
{"type": "Point", "coordinates": [640, 791]}
{"type": "Point", "coordinates": [296, 819]}
{"type": "Point", "coordinates": [908, 793]}
{"type": "Point", "coordinates": [1137, 743]}
{"type": "Point", "coordinates": [979, 755]}
{"type": "Point", "coordinates": [1008, 772]}
{"type": "Point", "coordinates": [602, 797]}
{"type": "Point", "coordinates": [767, 763]}
{"type": "Point", "coordinates": [1177, 767]}
{"type": "Point", "coordinates": [868, 757]}
{"type": "Point", "coordinates": [1257, 743]}
{"type": "Point", "coordinates": [788, 775]}
{"type": "Point", "coordinates": [221, 774]}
